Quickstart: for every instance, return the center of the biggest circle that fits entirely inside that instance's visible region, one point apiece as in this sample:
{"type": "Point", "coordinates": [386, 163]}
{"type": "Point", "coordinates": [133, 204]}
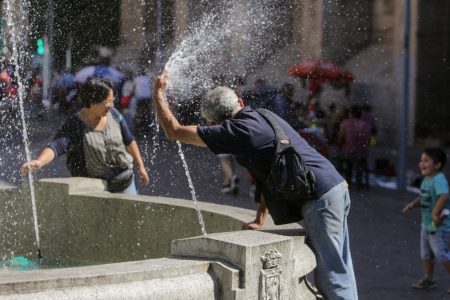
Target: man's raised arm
{"type": "Point", "coordinates": [173, 129]}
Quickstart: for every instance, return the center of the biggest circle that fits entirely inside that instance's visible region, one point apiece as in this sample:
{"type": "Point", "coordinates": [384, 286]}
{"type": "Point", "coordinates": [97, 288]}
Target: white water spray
{"type": "Point", "coordinates": [229, 40]}
{"type": "Point", "coordinates": [192, 188]}
{"type": "Point", "coordinates": [11, 11]}
{"type": "Point", "coordinates": [204, 54]}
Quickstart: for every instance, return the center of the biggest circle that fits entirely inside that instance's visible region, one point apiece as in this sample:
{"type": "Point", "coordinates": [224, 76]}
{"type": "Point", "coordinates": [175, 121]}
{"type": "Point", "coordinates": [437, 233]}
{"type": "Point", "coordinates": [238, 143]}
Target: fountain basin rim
{"type": "Point", "coordinates": [97, 188]}
{"type": "Point", "coordinates": [160, 268]}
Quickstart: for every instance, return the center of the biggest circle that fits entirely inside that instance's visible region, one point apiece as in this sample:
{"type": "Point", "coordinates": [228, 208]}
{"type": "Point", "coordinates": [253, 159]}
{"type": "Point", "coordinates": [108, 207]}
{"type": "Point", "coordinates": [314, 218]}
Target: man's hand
{"type": "Point", "coordinates": [261, 214]}
{"type": "Point", "coordinates": [251, 226]}
{"type": "Point", "coordinates": [160, 82]}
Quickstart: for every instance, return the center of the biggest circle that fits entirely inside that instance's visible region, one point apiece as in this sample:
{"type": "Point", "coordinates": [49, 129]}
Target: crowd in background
{"type": "Point", "coordinates": [8, 88]}
{"type": "Point", "coordinates": [342, 132]}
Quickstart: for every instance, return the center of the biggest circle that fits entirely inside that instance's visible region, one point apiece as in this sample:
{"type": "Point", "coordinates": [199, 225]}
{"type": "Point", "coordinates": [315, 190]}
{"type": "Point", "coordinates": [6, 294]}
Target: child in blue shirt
{"type": "Point", "coordinates": [435, 227]}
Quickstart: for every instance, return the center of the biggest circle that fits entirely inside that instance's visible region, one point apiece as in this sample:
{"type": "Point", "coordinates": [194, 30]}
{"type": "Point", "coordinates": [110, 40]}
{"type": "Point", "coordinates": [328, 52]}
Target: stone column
{"type": "Point", "coordinates": [398, 60]}
{"type": "Point", "coordinates": [132, 31]}
{"type": "Point", "coordinates": [238, 43]}
{"type": "Point", "coordinates": [181, 19]}
{"type": "Point", "coordinates": [307, 28]}
{"type": "Point", "coordinates": [383, 20]}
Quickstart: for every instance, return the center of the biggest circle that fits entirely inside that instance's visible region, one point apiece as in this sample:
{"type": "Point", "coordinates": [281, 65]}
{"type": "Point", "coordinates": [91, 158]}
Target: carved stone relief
{"type": "Point", "coordinates": [270, 279]}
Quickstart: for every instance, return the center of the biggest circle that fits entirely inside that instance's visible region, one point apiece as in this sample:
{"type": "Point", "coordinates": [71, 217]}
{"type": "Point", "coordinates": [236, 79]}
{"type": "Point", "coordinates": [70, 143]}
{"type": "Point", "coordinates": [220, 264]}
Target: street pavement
{"type": "Point", "coordinates": [384, 242]}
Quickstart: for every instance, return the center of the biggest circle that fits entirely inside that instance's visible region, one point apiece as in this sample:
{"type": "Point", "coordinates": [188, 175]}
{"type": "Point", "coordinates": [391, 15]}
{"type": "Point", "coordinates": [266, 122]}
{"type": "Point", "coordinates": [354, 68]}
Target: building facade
{"type": "Point", "coordinates": [365, 36]}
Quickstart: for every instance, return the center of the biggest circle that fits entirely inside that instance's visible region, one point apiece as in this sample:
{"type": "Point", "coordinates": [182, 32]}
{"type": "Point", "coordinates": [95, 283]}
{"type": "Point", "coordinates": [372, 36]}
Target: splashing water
{"type": "Point", "coordinates": [229, 40]}
{"type": "Point", "coordinates": [203, 54]}
{"type": "Point", "coordinates": [156, 145]}
{"type": "Point", "coordinates": [187, 172]}
{"type": "Point", "coordinates": [191, 186]}
{"type": "Point", "coordinates": [15, 27]}
{"type": "Point", "coordinates": [155, 138]}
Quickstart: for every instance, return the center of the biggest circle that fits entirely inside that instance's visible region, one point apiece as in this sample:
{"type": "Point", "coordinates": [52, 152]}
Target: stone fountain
{"type": "Point", "coordinates": [116, 246]}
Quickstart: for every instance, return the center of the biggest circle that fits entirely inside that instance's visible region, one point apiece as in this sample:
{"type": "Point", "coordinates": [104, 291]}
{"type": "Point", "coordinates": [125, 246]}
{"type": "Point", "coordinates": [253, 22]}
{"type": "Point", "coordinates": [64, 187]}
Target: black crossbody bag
{"type": "Point", "coordinates": [119, 180]}
{"type": "Point", "coordinates": [290, 183]}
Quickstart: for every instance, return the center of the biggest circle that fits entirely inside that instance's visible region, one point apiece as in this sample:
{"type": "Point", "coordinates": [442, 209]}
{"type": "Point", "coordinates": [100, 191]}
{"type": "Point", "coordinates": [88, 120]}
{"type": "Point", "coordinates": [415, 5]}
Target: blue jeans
{"type": "Point", "coordinates": [325, 221]}
{"type": "Point", "coordinates": [131, 189]}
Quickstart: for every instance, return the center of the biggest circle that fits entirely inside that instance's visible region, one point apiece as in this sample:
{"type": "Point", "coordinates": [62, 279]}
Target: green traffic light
{"type": "Point", "coordinates": [40, 46]}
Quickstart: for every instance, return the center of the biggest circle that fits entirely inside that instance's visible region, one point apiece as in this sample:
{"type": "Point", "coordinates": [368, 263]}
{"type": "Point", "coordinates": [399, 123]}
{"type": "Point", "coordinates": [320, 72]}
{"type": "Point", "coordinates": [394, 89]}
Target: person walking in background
{"type": "Point", "coordinates": [97, 141]}
{"type": "Point", "coordinates": [354, 138]}
{"type": "Point", "coordinates": [127, 90]}
{"type": "Point", "coordinates": [230, 179]}
{"type": "Point", "coordinates": [313, 107]}
{"type": "Point", "coordinates": [435, 226]}
{"type": "Point", "coordinates": [369, 118]}
{"type": "Point", "coordinates": [239, 130]}
{"type": "Point", "coordinates": [61, 87]}
{"type": "Point", "coordinates": [260, 95]}
{"type": "Point", "coordinates": [142, 89]}
{"type": "Point", "coordinates": [283, 102]}
{"type": "Point", "coordinates": [140, 105]}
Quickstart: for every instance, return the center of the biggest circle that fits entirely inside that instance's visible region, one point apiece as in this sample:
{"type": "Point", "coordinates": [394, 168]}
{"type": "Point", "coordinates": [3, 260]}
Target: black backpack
{"type": "Point", "coordinates": [290, 183]}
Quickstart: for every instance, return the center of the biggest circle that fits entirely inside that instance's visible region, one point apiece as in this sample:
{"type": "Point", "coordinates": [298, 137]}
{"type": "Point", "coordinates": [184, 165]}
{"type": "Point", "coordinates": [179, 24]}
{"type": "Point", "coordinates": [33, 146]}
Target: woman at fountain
{"type": "Point", "coordinates": [97, 141]}
{"type": "Point", "coordinates": [233, 128]}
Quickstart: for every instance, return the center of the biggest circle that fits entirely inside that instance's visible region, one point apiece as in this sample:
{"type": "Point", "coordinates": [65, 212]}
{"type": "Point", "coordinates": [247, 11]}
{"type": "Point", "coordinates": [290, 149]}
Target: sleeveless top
{"type": "Point", "coordinates": [105, 150]}
{"type": "Point", "coordinates": [70, 139]}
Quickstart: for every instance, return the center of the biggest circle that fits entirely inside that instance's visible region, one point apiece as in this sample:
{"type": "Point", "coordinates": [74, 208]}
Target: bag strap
{"type": "Point", "coordinates": [283, 140]}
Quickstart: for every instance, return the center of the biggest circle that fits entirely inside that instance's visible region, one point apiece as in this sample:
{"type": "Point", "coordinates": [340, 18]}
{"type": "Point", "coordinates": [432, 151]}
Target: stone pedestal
{"type": "Point", "coordinates": [270, 266]}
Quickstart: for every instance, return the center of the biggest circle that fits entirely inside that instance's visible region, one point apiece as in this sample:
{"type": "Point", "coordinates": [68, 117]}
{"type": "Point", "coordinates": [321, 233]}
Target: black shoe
{"type": "Point", "coordinates": [231, 187]}
{"type": "Point", "coordinates": [424, 283]}
{"type": "Point", "coordinates": [235, 180]}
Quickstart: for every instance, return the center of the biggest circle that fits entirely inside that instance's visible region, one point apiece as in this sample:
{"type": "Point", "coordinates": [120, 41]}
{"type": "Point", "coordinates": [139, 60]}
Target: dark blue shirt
{"type": "Point", "coordinates": [252, 140]}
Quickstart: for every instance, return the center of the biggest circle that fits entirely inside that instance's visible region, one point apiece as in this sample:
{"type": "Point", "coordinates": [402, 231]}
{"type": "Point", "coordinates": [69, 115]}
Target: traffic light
{"type": "Point", "coordinates": [40, 46]}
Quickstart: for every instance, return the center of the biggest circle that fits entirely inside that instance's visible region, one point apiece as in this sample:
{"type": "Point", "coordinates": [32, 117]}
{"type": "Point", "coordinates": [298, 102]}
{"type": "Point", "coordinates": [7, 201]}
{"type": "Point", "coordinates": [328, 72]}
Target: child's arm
{"type": "Point", "coordinates": [413, 204]}
{"type": "Point", "coordinates": [438, 207]}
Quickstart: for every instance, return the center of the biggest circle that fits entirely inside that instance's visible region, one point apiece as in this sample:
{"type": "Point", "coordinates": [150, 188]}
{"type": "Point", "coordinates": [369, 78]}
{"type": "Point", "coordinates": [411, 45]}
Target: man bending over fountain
{"type": "Point", "coordinates": [97, 141]}
{"type": "Point", "coordinates": [233, 128]}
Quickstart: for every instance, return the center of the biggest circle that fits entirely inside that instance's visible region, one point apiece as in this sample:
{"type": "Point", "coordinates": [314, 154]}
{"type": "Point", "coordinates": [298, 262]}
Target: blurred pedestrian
{"type": "Point", "coordinates": [284, 102]}
{"type": "Point", "coordinates": [127, 90]}
{"type": "Point", "coordinates": [140, 106]}
{"type": "Point", "coordinates": [354, 136]}
{"type": "Point", "coordinates": [230, 179]}
{"type": "Point", "coordinates": [313, 107]}
{"type": "Point", "coordinates": [261, 95]}
{"type": "Point", "coordinates": [63, 85]}
{"type": "Point", "coordinates": [369, 118]}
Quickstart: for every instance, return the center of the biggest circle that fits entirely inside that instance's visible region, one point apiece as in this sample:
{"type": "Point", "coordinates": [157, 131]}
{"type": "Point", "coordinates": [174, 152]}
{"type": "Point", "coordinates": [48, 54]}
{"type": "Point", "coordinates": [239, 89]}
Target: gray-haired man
{"type": "Point", "coordinates": [244, 133]}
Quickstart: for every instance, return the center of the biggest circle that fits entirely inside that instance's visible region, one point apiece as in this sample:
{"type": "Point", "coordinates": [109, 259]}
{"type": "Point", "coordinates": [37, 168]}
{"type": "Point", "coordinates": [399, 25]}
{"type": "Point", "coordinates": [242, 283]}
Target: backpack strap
{"type": "Point", "coordinates": [283, 140]}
